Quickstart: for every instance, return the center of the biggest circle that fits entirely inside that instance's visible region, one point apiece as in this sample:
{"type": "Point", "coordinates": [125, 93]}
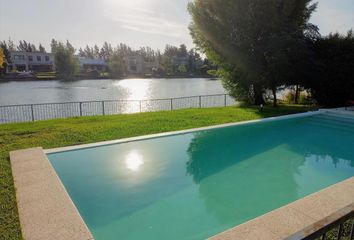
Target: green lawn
{"type": "Point", "coordinates": [66, 132]}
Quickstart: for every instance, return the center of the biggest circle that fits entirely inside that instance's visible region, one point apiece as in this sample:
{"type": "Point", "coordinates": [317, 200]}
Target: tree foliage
{"type": "Point", "coordinates": [333, 84]}
{"type": "Point", "coordinates": [53, 45]}
{"type": "Point", "coordinates": [106, 51]}
{"type": "Point", "coordinates": [182, 69]}
{"type": "Point", "coordinates": [6, 57]}
{"type": "Point", "coordinates": [25, 46]}
{"type": "Point", "coordinates": [182, 51]}
{"type": "Point", "coordinates": [253, 42]}
{"type": "Point", "coordinates": [2, 58]}
{"type": "Point", "coordinates": [66, 63]}
{"type": "Point", "coordinates": [161, 62]}
{"type": "Point", "coordinates": [116, 65]}
{"type": "Point", "coordinates": [41, 48]}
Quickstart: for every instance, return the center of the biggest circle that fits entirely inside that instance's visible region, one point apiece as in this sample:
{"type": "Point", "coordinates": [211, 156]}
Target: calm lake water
{"type": "Point", "coordinates": [30, 92]}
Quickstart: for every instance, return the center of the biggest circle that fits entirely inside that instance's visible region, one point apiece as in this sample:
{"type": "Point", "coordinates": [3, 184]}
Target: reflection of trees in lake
{"type": "Point", "coordinates": [228, 182]}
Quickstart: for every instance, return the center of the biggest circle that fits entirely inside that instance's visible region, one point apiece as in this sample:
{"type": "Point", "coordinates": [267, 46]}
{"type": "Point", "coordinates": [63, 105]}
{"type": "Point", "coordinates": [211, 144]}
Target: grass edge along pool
{"type": "Point", "coordinates": [134, 190]}
{"type": "Point", "coordinates": [173, 133]}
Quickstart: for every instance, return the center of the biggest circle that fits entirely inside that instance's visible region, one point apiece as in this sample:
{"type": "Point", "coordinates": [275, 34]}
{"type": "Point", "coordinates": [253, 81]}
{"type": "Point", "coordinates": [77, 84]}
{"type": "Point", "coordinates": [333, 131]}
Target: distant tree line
{"type": "Point", "coordinates": [115, 57]}
{"type": "Point", "coordinates": [261, 46]}
{"type": "Point", "coordinates": [172, 61]}
{"type": "Point", "coordinates": [29, 47]}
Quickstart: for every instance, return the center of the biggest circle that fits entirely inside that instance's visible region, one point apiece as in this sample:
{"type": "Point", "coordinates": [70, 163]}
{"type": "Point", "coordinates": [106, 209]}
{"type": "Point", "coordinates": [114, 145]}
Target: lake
{"type": "Point", "coordinates": [31, 92]}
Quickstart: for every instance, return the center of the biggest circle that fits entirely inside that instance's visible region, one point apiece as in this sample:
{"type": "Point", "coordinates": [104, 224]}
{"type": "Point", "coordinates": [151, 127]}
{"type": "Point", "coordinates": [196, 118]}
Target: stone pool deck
{"type": "Point", "coordinates": [45, 208]}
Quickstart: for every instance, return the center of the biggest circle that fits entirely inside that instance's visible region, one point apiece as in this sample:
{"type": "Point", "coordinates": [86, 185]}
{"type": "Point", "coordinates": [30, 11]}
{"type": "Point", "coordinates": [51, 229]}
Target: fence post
{"type": "Point", "coordinates": [225, 100]}
{"type": "Point", "coordinates": [32, 112]}
{"type": "Point", "coordinates": [200, 101]}
{"type": "Point", "coordinates": [171, 104]}
{"type": "Point", "coordinates": [103, 112]}
{"type": "Point", "coordinates": [140, 105]}
{"type": "Point", "coordinates": [80, 109]}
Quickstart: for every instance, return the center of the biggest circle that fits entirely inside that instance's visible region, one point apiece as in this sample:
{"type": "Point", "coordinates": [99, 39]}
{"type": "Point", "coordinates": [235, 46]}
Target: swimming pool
{"type": "Point", "coordinates": [198, 184]}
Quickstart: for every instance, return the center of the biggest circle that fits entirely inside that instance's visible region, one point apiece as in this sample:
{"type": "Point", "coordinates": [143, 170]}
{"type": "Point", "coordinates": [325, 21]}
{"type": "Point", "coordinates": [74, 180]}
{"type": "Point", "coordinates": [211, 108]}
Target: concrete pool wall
{"type": "Point", "coordinates": [47, 212]}
{"type": "Point", "coordinates": [45, 208]}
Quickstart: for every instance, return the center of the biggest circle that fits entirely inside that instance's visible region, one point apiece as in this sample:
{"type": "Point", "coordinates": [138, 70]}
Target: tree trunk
{"type": "Point", "coordinates": [258, 95]}
{"type": "Point", "coordinates": [274, 91]}
{"type": "Point", "coordinates": [297, 94]}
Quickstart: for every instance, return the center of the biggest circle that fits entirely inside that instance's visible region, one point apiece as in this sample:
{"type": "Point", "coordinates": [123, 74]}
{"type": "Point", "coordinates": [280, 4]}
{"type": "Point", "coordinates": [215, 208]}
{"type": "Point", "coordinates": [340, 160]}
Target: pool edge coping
{"type": "Point", "coordinates": [45, 208]}
{"type": "Point", "coordinates": [297, 219]}
{"type": "Point", "coordinates": [180, 132]}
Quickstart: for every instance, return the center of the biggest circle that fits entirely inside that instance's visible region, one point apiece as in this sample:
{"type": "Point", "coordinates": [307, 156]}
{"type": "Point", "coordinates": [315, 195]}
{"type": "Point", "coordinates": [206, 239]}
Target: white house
{"type": "Point", "coordinates": [31, 61]}
{"type": "Point", "coordinates": [136, 64]}
{"type": "Point", "coordinates": [151, 66]}
{"type": "Point", "coordinates": [92, 64]}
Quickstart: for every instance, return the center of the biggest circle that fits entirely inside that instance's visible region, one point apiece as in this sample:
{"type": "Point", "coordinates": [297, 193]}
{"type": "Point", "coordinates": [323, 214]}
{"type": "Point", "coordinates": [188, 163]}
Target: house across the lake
{"type": "Point", "coordinates": [31, 61]}
{"type": "Point", "coordinates": [136, 64]}
{"type": "Point", "coordinates": [94, 64]}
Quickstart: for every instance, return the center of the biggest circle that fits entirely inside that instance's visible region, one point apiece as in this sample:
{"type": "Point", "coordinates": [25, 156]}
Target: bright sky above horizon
{"type": "Point", "coordinates": [137, 23]}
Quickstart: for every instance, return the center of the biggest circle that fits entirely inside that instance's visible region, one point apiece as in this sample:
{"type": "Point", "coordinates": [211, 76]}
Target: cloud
{"type": "Point", "coordinates": [149, 16]}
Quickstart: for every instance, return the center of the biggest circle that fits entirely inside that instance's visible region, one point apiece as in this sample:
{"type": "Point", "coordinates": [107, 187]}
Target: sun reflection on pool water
{"type": "Point", "coordinates": [134, 160]}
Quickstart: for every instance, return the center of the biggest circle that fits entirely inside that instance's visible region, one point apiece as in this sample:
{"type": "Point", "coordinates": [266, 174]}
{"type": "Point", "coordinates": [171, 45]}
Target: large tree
{"type": "Point", "coordinates": [116, 62]}
{"type": "Point", "coordinates": [117, 66]}
{"type": "Point", "coordinates": [252, 41]}
{"type": "Point", "coordinates": [66, 63]}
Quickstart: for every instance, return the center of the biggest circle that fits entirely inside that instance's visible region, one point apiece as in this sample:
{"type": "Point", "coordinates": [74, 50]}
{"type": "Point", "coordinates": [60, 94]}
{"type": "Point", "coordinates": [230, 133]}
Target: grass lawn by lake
{"type": "Point", "coordinates": [73, 131]}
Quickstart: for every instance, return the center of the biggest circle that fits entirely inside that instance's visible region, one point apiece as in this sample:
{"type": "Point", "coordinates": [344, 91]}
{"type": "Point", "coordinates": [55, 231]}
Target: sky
{"type": "Point", "coordinates": [137, 23]}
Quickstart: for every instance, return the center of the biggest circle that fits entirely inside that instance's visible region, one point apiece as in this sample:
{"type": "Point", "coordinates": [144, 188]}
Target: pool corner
{"type": "Point", "coordinates": [45, 209]}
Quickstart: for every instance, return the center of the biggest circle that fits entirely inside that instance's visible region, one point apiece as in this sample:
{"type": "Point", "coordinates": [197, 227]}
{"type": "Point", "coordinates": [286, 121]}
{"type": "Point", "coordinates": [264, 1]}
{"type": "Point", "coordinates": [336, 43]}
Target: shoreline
{"type": "Point", "coordinates": [105, 78]}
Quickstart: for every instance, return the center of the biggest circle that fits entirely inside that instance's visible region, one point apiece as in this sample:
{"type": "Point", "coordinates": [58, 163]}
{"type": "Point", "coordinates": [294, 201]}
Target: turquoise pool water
{"type": "Point", "coordinates": [195, 185]}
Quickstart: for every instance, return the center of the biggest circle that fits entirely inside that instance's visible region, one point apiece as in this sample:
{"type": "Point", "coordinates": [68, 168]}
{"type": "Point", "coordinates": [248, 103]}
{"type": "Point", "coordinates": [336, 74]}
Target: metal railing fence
{"type": "Point", "coordinates": [46, 111]}
{"type": "Point", "coordinates": [341, 229]}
